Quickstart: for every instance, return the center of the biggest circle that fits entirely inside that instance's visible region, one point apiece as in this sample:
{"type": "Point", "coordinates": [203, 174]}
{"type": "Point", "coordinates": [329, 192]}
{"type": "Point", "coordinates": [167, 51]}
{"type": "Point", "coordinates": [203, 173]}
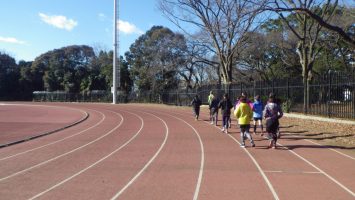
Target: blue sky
{"type": "Point", "coordinates": [32, 27]}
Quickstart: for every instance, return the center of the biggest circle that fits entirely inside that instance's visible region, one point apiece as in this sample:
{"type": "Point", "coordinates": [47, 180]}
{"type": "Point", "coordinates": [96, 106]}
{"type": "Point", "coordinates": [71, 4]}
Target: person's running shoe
{"type": "Point", "coordinates": [242, 145]}
{"type": "Point", "coordinates": [271, 144]}
{"type": "Point", "coordinates": [222, 129]}
{"type": "Point", "coordinates": [253, 145]}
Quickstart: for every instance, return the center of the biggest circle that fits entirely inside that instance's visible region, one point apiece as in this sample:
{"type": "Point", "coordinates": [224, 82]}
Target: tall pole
{"type": "Point", "coordinates": [115, 79]}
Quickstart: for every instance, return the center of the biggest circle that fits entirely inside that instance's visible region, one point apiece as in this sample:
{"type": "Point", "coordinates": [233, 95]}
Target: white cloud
{"type": "Point", "coordinates": [11, 40]}
{"type": "Point", "coordinates": [58, 21]}
{"type": "Point", "coordinates": [102, 16]}
{"type": "Point", "coordinates": [128, 28]}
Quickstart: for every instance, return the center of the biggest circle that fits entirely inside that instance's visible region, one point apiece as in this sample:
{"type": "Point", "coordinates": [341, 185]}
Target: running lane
{"type": "Point", "coordinates": [159, 152]}
{"type": "Point", "coordinates": [302, 173]}
{"type": "Point", "coordinates": [23, 121]}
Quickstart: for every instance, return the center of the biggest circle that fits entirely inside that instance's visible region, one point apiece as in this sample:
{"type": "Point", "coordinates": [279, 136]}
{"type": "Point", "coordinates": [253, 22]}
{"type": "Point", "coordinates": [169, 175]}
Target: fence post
{"type": "Point", "coordinates": [288, 89]}
{"type": "Point", "coordinates": [254, 89]}
{"type": "Point", "coordinates": [329, 93]}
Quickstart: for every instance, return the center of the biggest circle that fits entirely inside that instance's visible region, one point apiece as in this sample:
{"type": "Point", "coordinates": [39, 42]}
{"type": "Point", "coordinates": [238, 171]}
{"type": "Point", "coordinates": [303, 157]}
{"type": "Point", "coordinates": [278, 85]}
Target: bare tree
{"type": "Point", "coordinates": [224, 22]}
{"type": "Point", "coordinates": [307, 30]}
{"type": "Point", "coordinates": [321, 19]}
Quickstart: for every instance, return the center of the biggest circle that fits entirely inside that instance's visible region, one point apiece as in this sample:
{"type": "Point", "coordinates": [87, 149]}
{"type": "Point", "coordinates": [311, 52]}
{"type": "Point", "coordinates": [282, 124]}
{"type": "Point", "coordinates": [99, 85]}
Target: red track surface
{"type": "Point", "coordinates": [153, 152]}
{"type": "Point", "coordinates": [20, 122]}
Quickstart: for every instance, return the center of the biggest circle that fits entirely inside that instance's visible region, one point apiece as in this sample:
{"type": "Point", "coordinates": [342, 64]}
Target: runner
{"type": "Point", "coordinates": [209, 100]}
{"type": "Point", "coordinates": [244, 114]}
{"type": "Point", "coordinates": [214, 110]}
{"type": "Point", "coordinates": [226, 105]}
{"type": "Point", "coordinates": [196, 103]}
{"type": "Point", "coordinates": [258, 114]}
{"type": "Point", "coordinates": [272, 114]}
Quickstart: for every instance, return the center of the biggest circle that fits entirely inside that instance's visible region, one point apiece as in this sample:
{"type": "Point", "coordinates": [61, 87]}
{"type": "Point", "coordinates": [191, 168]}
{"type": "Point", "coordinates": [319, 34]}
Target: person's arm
{"type": "Point", "coordinates": [237, 112]}
{"type": "Point", "coordinates": [265, 112]}
{"type": "Point", "coordinates": [280, 114]}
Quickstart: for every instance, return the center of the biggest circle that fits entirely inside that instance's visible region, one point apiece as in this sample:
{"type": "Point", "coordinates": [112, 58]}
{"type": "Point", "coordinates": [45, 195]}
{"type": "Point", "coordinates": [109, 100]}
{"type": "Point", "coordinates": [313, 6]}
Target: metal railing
{"type": "Point", "coordinates": [331, 95]}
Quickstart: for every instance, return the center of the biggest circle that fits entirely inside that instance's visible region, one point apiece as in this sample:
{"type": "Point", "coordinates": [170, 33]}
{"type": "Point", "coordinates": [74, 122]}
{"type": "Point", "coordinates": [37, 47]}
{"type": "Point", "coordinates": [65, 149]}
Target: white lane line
{"type": "Point", "coordinates": [148, 163]}
{"type": "Point", "coordinates": [86, 115]}
{"type": "Point", "coordinates": [40, 147]}
{"type": "Point", "coordinates": [291, 172]}
{"type": "Point", "coordinates": [202, 163]}
{"type": "Point", "coordinates": [65, 154]}
{"type": "Point", "coordinates": [330, 148]}
{"type": "Point", "coordinates": [271, 188]}
{"type": "Point", "coordinates": [325, 146]}
{"type": "Point", "coordinates": [95, 163]}
{"type": "Point", "coordinates": [323, 172]}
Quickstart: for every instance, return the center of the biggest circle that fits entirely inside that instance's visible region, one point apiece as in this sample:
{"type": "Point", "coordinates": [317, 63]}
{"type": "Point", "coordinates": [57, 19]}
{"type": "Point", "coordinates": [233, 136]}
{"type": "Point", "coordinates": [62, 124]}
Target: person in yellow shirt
{"type": "Point", "coordinates": [244, 114]}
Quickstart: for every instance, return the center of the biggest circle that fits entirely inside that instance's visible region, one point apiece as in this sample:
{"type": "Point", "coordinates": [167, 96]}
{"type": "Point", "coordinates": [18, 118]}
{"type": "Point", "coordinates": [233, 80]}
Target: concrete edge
{"type": "Point", "coordinates": [299, 116]}
{"type": "Point", "coordinates": [46, 133]}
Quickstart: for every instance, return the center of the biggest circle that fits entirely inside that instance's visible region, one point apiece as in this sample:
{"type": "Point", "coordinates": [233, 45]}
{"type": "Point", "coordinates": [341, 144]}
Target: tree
{"type": "Point", "coordinates": [154, 59]}
{"type": "Point", "coordinates": [307, 30]}
{"type": "Point", "coordinates": [225, 22]}
{"type": "Point", "coordinates": [65, 68]}
{"type": "Point", "coordinates": [271, 53]}
{"type": "Point", "coordinates": [347, 36]}
{"type": "Point", "coordinates": [26, 80]}
{"type": "Point", "coordinates": [9, 76]}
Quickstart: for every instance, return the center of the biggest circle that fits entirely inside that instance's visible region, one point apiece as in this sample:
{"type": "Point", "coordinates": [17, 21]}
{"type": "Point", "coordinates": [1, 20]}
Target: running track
{"type": "Point", "coordinates": [159, 152]}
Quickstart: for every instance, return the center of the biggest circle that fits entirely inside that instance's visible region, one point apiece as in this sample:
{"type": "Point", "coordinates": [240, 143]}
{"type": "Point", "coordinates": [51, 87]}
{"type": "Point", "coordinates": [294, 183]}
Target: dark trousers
{"type": "Point", "coordinates": [225, 121]}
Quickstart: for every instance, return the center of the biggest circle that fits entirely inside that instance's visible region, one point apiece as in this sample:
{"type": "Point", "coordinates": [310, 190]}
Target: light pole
{"type": "Point", "coordinates": [116, 69]}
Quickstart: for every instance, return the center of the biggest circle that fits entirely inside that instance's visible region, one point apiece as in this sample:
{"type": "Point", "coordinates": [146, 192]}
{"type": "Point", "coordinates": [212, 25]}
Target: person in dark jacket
{"type": "Point", "coordinates": [214, 110]}
{"type": "Point", "coordinates": [196, 103]}
{"type": "Point", "coordinates": [226, 105]}
{"type": "Point", "coordinates": [272, 114]}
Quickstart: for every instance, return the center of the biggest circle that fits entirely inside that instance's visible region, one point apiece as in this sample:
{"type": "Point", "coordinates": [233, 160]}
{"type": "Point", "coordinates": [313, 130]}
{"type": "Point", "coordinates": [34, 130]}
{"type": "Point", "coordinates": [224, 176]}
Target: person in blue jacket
{"type": "Point", "coordinates": [258, 108]}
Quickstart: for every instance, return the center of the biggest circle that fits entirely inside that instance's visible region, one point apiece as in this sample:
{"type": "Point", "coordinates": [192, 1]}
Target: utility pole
{"type": "Point", "coordinates": [116, 69]}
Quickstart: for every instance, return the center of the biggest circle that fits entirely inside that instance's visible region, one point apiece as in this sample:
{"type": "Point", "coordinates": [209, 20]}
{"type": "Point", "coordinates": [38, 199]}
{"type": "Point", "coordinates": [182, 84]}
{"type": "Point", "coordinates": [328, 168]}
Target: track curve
{"type": "Point", "coordinates": [159, 152]}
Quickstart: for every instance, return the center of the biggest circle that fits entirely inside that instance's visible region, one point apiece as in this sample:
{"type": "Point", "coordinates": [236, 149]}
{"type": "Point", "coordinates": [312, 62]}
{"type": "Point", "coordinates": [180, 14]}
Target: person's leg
{"type": "Point", "coordinates": [254, 123]}
{"type": "Point", "coordinates": [223, 122]}
{"type": "Point", "coordinates": [216, 117]}
{"type": "Point", "coordinates": [212, 116]}
{"type": "Point", "coordinates": [242, 140]}
{"type": "Point", "coordinates": [227, 125]}
{"type": "Point", "coordinates": [261, 126]}
{"type": "Point", "coordinates": [278, 129]}
{"type": "Point", "coordinates": [197, 112]}
{"type": "Point", "coordinates": [247, 134]}
{"type": "Point", "coordinates": [274, 139]}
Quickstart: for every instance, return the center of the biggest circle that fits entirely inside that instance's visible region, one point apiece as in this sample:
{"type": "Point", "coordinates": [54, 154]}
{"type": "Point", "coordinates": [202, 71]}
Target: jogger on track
{"type": "Point", "coordinates": [209, 100]}
{"type": "Point", "coordinates": [214, 110]}
{"type": "Point", "coordinates": [272, 114]}
{"type": "Point", "coordinates": [244, 115]}
{"type": "Point", "coordinates": [258, 108]}
{"type": "Point", "coordinates": [196, 103]}
{"type": "Point", "coordinates": [226, 105]}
